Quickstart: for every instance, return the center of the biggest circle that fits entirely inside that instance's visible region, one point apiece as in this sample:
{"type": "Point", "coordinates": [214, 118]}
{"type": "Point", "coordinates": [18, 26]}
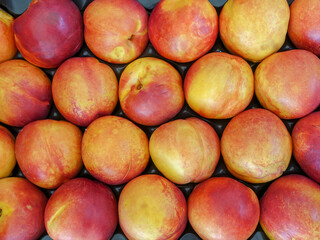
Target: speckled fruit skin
{"type": "Point", "coordinates": [290, 209]}
{"type": "Point", "coordinates": [223, 208]}
{"type": "Point", "coordinates": [8, 47]}
{"type": "Point", "coordinates": [306, 144]}
{"type": "Point", "coordinates": [25, 93]}
{"type": "Point", "coordinates": [116, 30]}
{"type": "Point", "coordinates": [151, 207]}
{"type": "Point", "coordinates": [22, 209]}
{"type": "Point", "coordinates": [254, 29]}
{"type": "Point", "coordinates": [288, 83]}
{"type": "Point", "coordinates": [49, 32]}
{"type": "Point", "coordinates": [182, 30]}
{"type": "Point", "coordinates": [256, 146]}
{"type": "Point", "coordinates": [304, 25]}
{"type": "Point", "coordinates": [185, 150]}
{"type": "Point", "coordinates": [81, 209]}
{"type": "Point", "coordinates": [49, 152]}
{"type": "Point", "coordinates": [150, 91]}
{"type": "Point", "coordinates": [7, 155]}
{"type": "Point", "coordinates": [84, 89]}
{"type": "Point", "coordinates": [114, 150]}
{"type": "Point", "coordinates": [219, 85]}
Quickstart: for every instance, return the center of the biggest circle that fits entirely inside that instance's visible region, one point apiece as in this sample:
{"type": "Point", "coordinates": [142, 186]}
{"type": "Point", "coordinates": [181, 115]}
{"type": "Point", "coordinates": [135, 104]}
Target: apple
{"type": "Point", "coordinates": [116, 30]}
{"type": "Point", "coordinates": [84, 89]}
{"type": "Point", "coordinates": [49, 152]}
{"type": "Point", "coordinates": [25, 93]}
{"type": "Point", "coordinates": [81, 209]}
{"type": "Point", "coordinates": [182, 30]}
{"type": "Point", "coordinates": [304, 25]}
{"type": "Point", "coordinates": [290, 209]}
{"type": "Point", "coordinates": [21, 209]}
{"type": "Point", "coordinates": [114, 150]}
{"type": "Point", "coordinates": [288, 83]}
{"type": "Point", "coordinates": [150, 91]}
{"type": "Point", "coordinates": [7, 155]}
{"type": "Point", "coordinates": [8, 47]}
{"type": "Point", "coordinates": [256, 146]}
{"type": "Point", "coordinates": [151, 207]}
{"type": "Point", "coordinates": [185, 151]}
{"type": "Point", "coordinates": [254, 29]}
{"type": "Point", "coordinates": [223, 208]}
{"type": "Point", "coordinates": [49, 32]}
{"type": "Point", "coordinates": [306, 144]}
{"type": "Point", "coordinates": [219, 85]}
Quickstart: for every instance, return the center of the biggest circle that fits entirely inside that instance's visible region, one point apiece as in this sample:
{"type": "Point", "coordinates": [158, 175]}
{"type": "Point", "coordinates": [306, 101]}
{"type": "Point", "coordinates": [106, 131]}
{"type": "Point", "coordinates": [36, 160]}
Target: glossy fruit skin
{"type": "Point", "coordinates": [304, 25]}
{"type": "Point", "coordinates": [219, 85]}
{"type": "Point", "coordinates": [306, 144]}
{"type": "Point", "coordinates": [116, 30]}
{"type": "Point", "coordinates": [254, 29]}
{"type": "Point", "coordinates": [81, 209]}
{"type": "Point", "coordinates": [223, 208]}
{"type": "Point", "coordinates": [84, 89]}
{"type": "Point", "coordinates": [256, 146]}
{"type": "Point", "coordinates": [150, 91]}
{"type": "Point", "coordinates": [25, 93]}
{"type": "Point", "coordinates": [181, 30]}
{"type": "Point", "coordinates": [151, 207]}
{"type": "Point", "coordinates": [114, 150]}
{"type": "Point", "coordinates": [49, 32]}
{"type": "Point", "coordinates": [22, 209]}
{"type": "Point", "coordinates": [290, 209]}
{"type": "Point", "coordinates": [49, 152]}
{"type": "Point", "coordinates": [185, 150]}
{"type": "Point", "coordinates": [288, 83]}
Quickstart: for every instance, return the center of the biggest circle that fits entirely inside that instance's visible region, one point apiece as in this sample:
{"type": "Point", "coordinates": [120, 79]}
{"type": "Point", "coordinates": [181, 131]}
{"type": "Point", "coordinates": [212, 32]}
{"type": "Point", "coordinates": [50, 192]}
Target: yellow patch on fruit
{"type": "Point", "coordinates": [6, 18]}
{"type": "Point", "coordinates": [6, 211]}
{"type": "Point", "coordinates": [118, 52]}
{"type": "Point", "coordinates": [52, 221]}
{"type": "Point", "coordinates": [175, 5]}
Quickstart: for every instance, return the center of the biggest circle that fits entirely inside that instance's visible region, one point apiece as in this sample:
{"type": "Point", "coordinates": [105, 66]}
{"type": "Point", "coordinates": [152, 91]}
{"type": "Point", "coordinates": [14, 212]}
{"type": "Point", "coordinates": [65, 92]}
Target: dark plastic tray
{"type": "Point", "coordinates": [17, 7]}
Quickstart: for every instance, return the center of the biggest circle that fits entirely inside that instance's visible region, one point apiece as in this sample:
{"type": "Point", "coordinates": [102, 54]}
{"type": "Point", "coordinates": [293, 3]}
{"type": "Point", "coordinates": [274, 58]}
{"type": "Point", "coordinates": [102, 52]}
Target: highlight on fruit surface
{"type": "Point", "coordinates": [185, 150]}
{"type": "Point", "coordinates": [49, 32]}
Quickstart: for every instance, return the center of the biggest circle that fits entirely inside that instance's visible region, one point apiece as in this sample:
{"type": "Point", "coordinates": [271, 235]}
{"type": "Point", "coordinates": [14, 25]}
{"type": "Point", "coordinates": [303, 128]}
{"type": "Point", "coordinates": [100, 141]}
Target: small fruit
{"type": "Point", "coordinates": [25, 93]}
{"type": "Point", "coordinates": [288, 83]}
{"type": "Point", "coordinates": [84, 89]}
{"type": "Point", "coordinates": [183, 30]}
{"type": "Point", "coordinates": [223, 208]}
{"type": "Point", "coordinates": [114, 150]}
{"type": "Point", "coordinates": [306, 144]}
{"type": "Point", "coordinates": [304, 25]}
{"type": "Point", "coordinates": [256, 146]}
{"type": "Point", "coordinates": [185, 150]}
{"type": "Point", "coordinates": [290, 209]}
{"type": "Point", "coordinates": [254, 29]}
{"type": "Point", "coordinates": [81, 209]}
{"type": "Point", "coordinates": [116, 30]}
{"type": "Point", "coordinates": [49, 32]}
{"type": "Point", "coordinates": [150, 91]}
{"type": "Point", "coordinates": [49, 152]}
{"type": "Point", "coordinates": [151, 207]}
{"type": "Point", "coordinates": [21, 209]}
